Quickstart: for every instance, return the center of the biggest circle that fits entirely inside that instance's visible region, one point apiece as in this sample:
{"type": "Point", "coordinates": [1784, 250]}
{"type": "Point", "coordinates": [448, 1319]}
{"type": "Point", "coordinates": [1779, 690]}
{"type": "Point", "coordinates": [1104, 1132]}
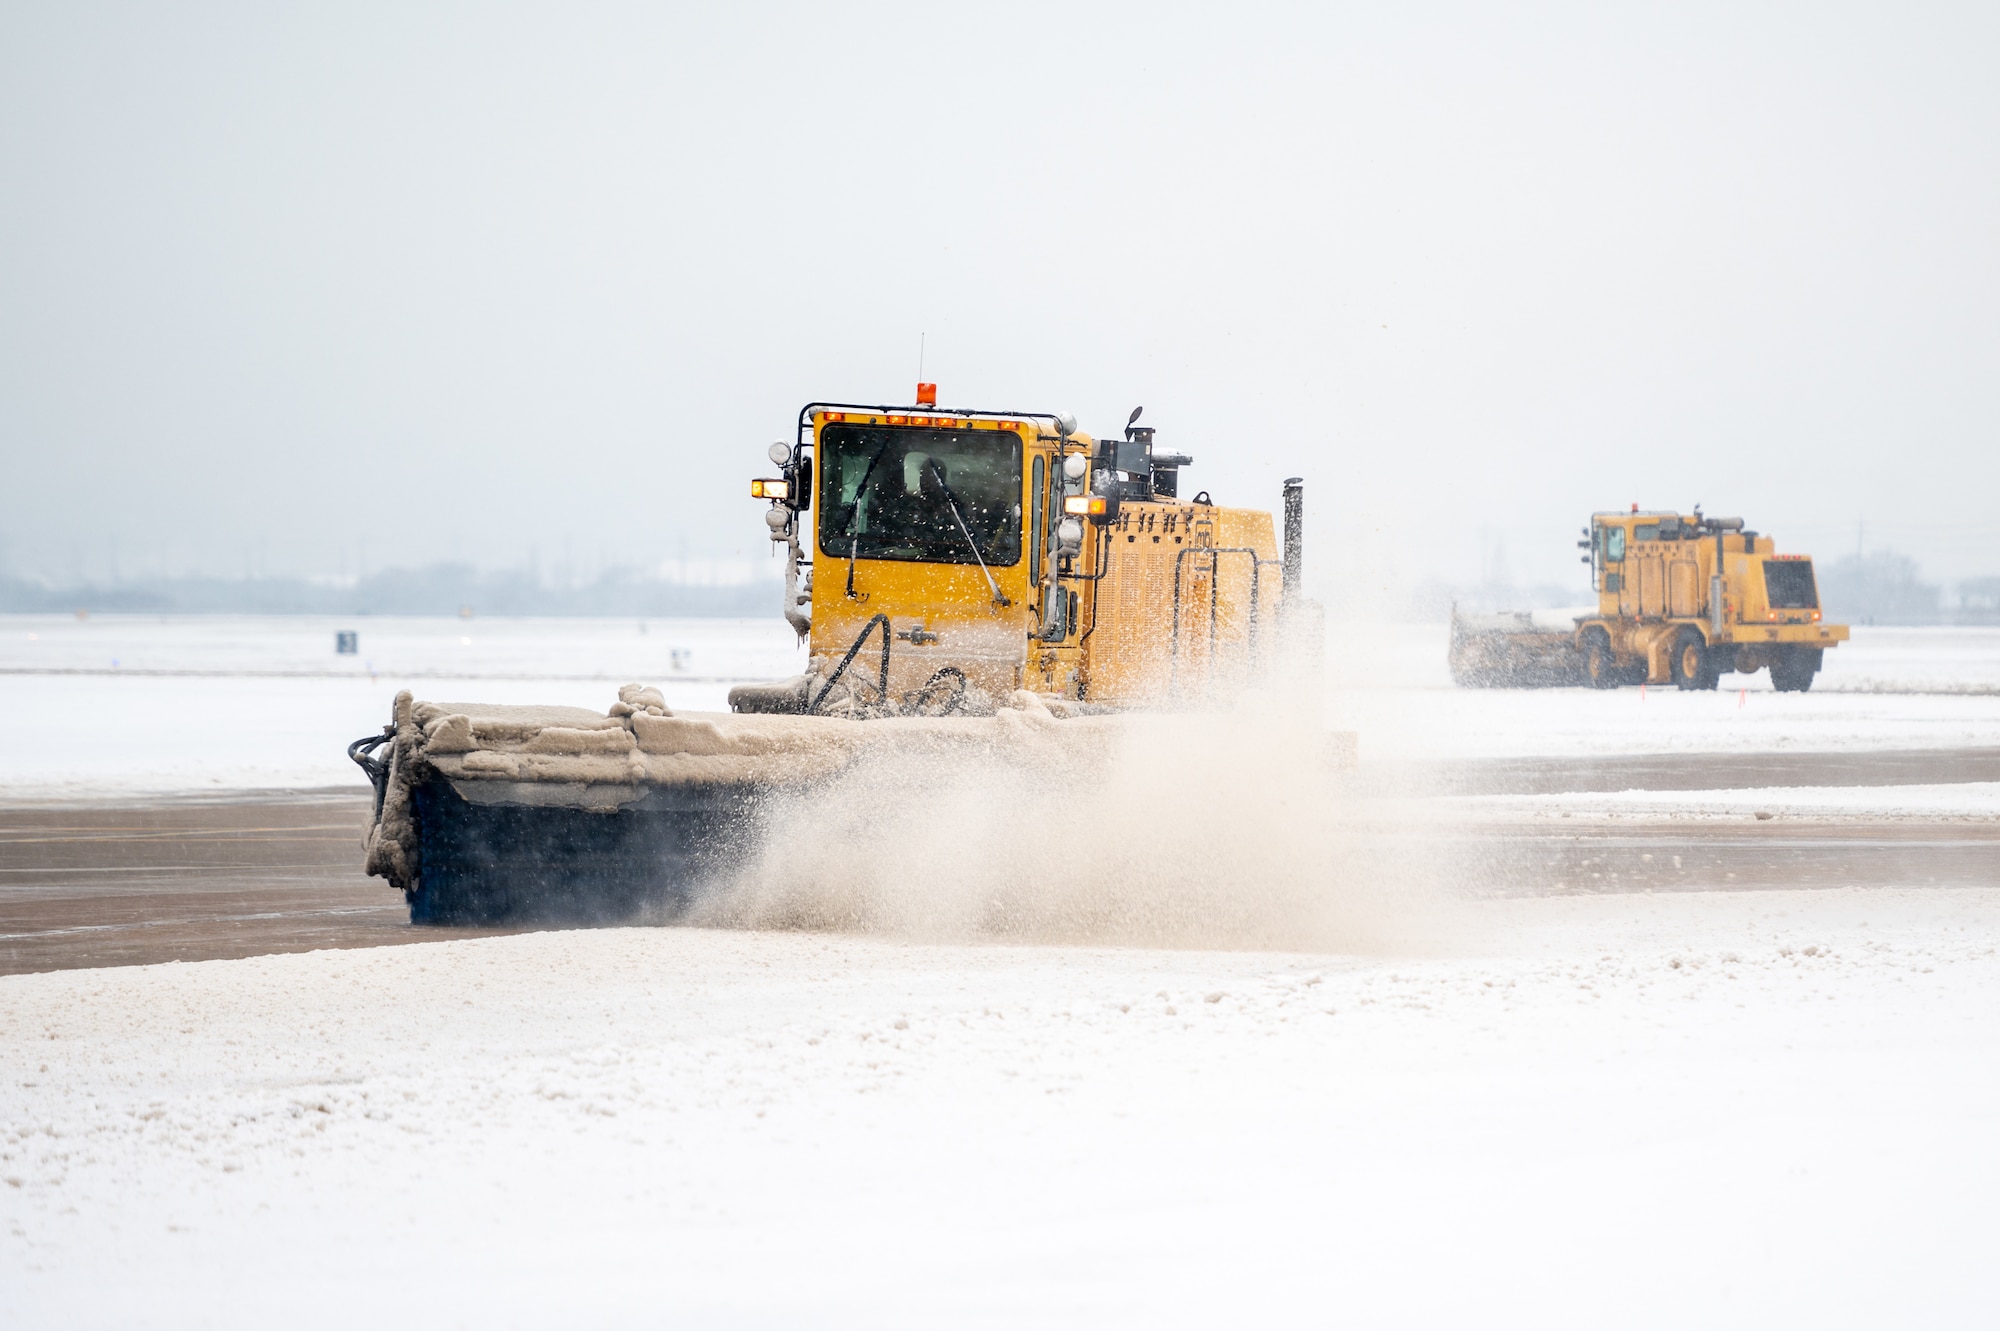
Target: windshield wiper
{"type": "Point", "coordinates": [853, 549]}
{"type": "Point", "coordinates": [951, 499]}
{"type": "Point", "coordinates": [853, 513]}
{"type": "Point", "coordinates": [860, 490]}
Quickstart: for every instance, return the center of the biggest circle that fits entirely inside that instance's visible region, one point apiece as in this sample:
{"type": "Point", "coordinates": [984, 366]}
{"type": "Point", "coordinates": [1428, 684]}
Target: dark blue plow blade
{"type": "Point", "coordinates": [492, 862]}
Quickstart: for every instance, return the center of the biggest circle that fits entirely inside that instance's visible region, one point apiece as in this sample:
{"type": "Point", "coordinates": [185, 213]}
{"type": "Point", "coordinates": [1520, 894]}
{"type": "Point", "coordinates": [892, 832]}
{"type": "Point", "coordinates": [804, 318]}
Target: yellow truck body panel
{"type": "Point", "coordinates": [1162, 601]}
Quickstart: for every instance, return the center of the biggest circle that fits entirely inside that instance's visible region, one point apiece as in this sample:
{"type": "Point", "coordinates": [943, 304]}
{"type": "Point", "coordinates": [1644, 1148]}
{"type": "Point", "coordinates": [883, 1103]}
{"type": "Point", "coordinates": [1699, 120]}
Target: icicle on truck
{"type": "Point", "coordinates": [1681, 599]}
{"type": "Point", "coordinates": [965, 580]}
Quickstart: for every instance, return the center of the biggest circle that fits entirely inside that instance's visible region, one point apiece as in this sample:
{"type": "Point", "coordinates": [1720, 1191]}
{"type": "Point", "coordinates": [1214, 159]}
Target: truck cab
{"type": "Point", "coordinates": [991, 551]}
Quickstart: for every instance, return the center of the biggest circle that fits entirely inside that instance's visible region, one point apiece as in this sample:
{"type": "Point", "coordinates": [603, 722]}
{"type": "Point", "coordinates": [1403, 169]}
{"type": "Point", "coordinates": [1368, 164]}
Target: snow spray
{"type": "Point", "coordinates": [1234, 830]}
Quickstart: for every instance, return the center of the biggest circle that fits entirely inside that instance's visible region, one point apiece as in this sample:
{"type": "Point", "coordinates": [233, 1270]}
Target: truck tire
{"type": "Point", "coordinates": [1692, 666]}
{"type": "Point", "coordinates": [1599, 666]}
{"type": "Point", "coordinates": [1793, 670]}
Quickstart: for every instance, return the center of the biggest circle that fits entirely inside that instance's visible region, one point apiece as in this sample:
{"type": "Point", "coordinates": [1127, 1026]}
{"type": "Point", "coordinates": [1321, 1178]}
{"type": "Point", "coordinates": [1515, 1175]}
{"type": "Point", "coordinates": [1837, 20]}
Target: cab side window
{"type": "Point", "coordinates": [1614, 545]}
{"type": "Point", "coordinates": [1035, 538]}
{"type": "Point", "coordinates": [1646, 531]}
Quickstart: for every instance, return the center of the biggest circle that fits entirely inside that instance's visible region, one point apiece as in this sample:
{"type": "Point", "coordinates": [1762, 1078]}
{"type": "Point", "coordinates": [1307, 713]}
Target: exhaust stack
{"type": "Point", "coordinates": [1294, 568]}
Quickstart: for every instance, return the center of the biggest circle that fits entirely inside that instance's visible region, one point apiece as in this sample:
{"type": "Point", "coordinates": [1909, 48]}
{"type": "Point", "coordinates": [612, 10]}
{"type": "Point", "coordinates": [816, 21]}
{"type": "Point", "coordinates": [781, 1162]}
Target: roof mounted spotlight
{"type": "Point", "coordinates": [1065, 424]}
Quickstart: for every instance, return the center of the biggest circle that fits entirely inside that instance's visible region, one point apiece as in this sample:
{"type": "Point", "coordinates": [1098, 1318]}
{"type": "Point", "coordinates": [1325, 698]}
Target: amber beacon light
{"type": "Point", "coordinates": [927, 395]}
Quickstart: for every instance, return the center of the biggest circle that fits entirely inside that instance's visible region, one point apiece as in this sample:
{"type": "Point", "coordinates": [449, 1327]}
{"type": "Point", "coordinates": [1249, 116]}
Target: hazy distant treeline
{"type": "Point", "coordinates": [439, 589]}
{"type": "Point", "coordinates": [1883, 587]}
{"type": "Point", "coordinates": [1878, 588]}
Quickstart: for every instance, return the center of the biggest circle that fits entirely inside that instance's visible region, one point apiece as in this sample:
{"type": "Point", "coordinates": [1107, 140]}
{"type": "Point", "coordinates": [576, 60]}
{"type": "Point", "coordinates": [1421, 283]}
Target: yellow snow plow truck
{"type": "Point", "coordinates": [1681, 599]}
{"type": "Point", "coordinates": [972, 586]}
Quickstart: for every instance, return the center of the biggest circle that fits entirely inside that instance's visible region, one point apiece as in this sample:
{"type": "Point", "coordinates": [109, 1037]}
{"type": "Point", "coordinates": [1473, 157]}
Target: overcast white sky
{"type": "Point", "coordinates": [321, 289]}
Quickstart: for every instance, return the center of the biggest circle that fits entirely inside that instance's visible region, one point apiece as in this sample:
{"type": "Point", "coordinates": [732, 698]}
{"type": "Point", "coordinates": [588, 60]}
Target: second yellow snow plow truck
{"type": "Point", "coordinates": [1681, 599]}
{"type": "Point", "coordinates": [974, 587]}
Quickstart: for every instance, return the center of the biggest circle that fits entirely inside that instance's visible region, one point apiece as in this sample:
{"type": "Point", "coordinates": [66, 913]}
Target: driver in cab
{"type": "Point", "coordinates": [923, 515]}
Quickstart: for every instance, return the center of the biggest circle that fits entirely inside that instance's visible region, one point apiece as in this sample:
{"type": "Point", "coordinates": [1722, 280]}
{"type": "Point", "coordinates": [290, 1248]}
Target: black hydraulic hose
{"type": "Point", "coordinates": [362, 751]}
{"type": "Point", "coordinates": [846, 660]}
{"type": "Point", "coordinates": [938, 676]}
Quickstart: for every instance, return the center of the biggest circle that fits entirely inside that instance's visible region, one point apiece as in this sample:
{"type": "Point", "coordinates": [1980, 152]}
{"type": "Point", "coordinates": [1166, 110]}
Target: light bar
{"type": "Point", "coordinates": [1086, 506]}
{"type": "Point", "coordinates": [770, 489]}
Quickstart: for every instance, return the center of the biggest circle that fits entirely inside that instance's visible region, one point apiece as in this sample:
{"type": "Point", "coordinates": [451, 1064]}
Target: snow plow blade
{"type": "Point", "coordinates": [490, 815]}
{"type": "Point", "coordinates": [1514, 651]}
{"type": "Point", "coordinates": [505, 857]}
{"type": "Point", "coordinates": [502, 815]}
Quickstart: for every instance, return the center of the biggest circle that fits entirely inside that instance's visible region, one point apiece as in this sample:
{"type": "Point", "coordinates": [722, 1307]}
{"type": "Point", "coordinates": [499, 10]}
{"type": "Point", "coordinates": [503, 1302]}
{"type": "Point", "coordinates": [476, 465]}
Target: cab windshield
{"type": "Point", "coordinates": [901, 492]}
{"type": "Point", "coordinates": [1788, 585]}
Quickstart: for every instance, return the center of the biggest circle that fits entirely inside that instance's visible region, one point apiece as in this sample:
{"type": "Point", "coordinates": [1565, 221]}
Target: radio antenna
{"type": "Point", "coordinates": [920, 356]}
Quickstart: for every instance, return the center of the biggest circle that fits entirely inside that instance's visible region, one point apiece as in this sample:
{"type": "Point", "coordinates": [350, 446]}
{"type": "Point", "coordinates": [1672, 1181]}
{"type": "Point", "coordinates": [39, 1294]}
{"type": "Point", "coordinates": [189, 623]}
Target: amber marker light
{"type": "Point", "coordinates": [770, 489]}
{"type": "Point", "coordinates": [1086, 506]}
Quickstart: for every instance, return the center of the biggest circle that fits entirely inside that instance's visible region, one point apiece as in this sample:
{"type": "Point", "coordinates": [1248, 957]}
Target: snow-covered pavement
{"type": "Point", "coordinates": [117, 706]}
{"type": "Point", "coordinates": [125, 705]}
{"type": "Point", "coordinates": [1758, 1109]}
{"type": "Point", "coordinates": [1634, 1109]}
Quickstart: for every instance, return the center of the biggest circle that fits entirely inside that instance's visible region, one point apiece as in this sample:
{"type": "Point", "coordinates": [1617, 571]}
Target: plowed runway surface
{"type": "Point", "coordinates": [196, 879]}
{"type": "Point", "coordinates": [190, 880]}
